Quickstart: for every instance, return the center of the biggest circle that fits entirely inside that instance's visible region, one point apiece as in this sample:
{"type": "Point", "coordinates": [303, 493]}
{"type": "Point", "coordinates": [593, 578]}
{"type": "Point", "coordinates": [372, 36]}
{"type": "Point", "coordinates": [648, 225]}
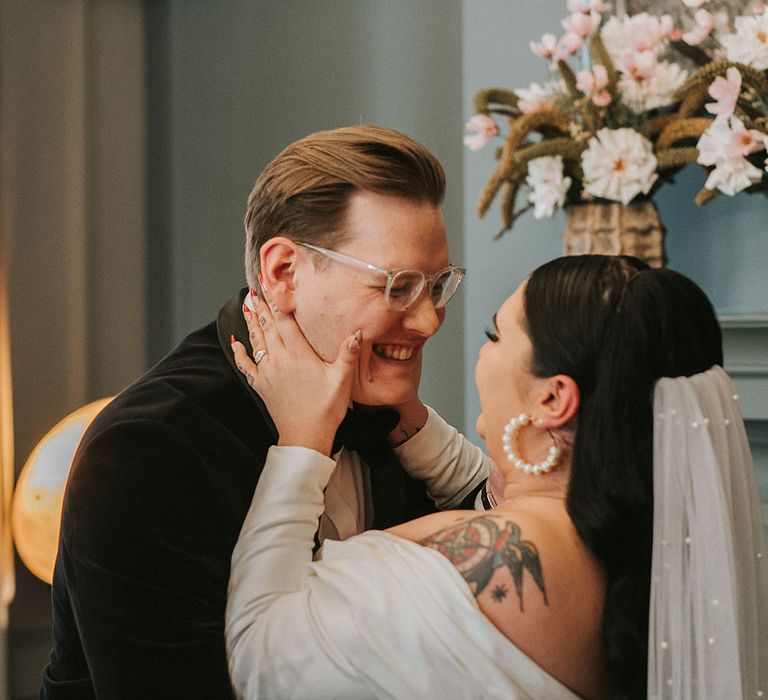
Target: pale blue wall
{"type": "Point", "coordinates": [495, 48]}
{"type": "Point", "coordinates": [723, 245]}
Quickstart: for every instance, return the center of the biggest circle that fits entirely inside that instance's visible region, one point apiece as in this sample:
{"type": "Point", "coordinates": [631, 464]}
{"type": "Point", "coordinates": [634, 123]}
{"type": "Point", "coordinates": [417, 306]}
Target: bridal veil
{"type": "Point", "coordinates": [708, 631]}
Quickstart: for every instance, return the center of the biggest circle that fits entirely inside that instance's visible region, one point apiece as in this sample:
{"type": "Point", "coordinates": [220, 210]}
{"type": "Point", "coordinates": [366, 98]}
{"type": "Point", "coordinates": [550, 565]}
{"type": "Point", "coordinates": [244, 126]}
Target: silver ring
{"type": "Point", "coordinates": [259, 356]}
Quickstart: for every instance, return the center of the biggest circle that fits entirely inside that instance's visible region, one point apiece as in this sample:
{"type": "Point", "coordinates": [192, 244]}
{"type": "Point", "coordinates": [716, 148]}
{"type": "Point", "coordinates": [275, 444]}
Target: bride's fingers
{"type": "Point", "coordinates": [261, 325]}
{"type": "Point", "coordinates": [243, 362]}
{"type": "Point", "coordinates": [288, 329]}
{"type": "Point", "coordinates": [255, 332]}
{"type": "Point", "coordinates": [349, 353]}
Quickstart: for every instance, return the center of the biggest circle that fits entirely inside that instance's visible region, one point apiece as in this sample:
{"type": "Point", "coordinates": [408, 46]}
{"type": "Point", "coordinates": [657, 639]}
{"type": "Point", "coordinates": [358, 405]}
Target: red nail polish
{"type": "Point", "coordinates": [253, 293]}
{"type": "Point", "coordinates": [246, 310]}
{"type": "Point", "coordinates": [232, 339]}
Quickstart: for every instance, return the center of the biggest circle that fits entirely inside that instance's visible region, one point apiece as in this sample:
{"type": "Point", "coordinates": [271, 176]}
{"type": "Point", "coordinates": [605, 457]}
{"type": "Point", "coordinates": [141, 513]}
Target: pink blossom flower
{"type": "Point", "coordinates": [568, 45]}
{"type": "Point", "coordinates": [675, 34]}
{"type": "Point", "coordinates": [637, 65]}
{"type": "Point", "coordinates": [668, 29]}
{"type": "Point", "coordinates": [724, 145]}
{"type": "Point", "coordinates": [743, 142]}
{"type": "Point", "coordinates": [705, 23]}
{"type": "Point", "coordinates": [727, 139]}
{"type": "Point", "coordinates": [602, 98]}
{"type": "Point", "coordinates": [647, 36]}
{"type": "Point", "coordinates": [641, 32]}
{"type": "Point", "coordinates": [588, 6]}
{"type": "Point", "coordinates": [581, 24]}
{"type": "Point", "coordinates": [533, 98]}
{"type": "Point", "coordinates": [593, 83]}
{"type": "Point", "coordinates": [482, 128]}
{"type": "Point", "coordinates": [666, 24]}
{"type": "Point", "coordinates": [646, 83]}
{"type": "Point", "coordinates": [759, 8]}
{"type": "Point", "coordinates": [544, 48]}
{"type": "Point", "coordinates": [726, 92]}
{"type": "Point", "coordinates": [694, 3]}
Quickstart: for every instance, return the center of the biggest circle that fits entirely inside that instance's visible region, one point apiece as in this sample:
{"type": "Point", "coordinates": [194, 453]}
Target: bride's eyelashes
{"type": "Point", "coordinates": [491, 334]}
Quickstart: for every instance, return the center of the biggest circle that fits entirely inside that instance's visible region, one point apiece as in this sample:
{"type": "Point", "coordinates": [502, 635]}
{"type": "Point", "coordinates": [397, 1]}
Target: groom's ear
{"type": "Point", "coordinates": [278, 266]}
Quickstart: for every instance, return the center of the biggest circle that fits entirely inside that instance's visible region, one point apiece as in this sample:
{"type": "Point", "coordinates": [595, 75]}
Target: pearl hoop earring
{"type": "Point", "coordinates": [510, 439]}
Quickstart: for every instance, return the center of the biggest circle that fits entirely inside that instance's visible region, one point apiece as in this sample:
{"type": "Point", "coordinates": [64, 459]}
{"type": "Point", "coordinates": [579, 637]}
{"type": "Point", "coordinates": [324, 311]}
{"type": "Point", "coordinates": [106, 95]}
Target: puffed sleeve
{"type": "Point", "coordinates": [276, 645]}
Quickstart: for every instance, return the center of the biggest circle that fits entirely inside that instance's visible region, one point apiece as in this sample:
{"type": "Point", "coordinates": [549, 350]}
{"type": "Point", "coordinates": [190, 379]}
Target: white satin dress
{"type": "Point", "coordinates": [378, 617]}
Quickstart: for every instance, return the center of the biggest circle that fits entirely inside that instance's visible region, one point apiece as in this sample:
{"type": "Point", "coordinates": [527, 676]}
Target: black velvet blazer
{"type": "Point", "coordinates": [156, 497]}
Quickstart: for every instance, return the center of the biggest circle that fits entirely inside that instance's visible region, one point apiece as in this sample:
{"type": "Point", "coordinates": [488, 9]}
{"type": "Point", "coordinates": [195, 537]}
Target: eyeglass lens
{"type": "Point", "coordinates": [407, 285]}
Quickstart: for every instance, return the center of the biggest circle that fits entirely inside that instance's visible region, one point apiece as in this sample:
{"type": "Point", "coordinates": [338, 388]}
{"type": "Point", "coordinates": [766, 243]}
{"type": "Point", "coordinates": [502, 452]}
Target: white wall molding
{"type": "Point", "coordinates": [745, 344]}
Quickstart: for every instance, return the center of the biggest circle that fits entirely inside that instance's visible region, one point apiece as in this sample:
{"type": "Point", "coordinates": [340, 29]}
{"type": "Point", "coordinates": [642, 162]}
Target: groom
{"type": "Point", "coordinates": [165, 474]}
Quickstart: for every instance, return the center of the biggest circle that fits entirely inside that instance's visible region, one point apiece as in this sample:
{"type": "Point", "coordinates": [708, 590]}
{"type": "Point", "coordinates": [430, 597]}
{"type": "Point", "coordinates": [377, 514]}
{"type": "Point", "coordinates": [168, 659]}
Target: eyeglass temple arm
{"type": "Point", "coordinates": [333, 255]}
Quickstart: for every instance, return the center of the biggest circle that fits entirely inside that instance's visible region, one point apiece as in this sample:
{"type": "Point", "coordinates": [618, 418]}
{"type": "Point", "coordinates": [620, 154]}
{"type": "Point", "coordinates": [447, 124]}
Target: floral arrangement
{"type": "Point", "coordinates": [651, 95]}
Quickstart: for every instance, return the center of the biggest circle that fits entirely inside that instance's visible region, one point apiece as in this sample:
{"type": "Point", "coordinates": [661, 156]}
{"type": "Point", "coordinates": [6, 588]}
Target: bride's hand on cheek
{"type": "Point", "coordinates": [306, 396]}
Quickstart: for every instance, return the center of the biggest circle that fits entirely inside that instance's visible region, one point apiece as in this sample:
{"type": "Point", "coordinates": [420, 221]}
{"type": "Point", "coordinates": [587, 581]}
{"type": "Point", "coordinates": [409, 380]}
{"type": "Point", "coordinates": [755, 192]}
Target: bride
{"type": "Point", "coordinates": [623, 556]}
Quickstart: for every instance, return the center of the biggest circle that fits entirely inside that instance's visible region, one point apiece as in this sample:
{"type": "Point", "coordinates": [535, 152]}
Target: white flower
{"type": "Point", "coordinates": [581, 24]}
{"type": "Point", "coordinates": [749, 43]}
{"type": "Point", "coordinates": [727, 139]}
{"type": "Point", "coordinates": [568, 45]}
{"type": "Point", "coordinates": [533, 98]}
{"type": "Point", "coordinates": [652, 86]}
{"type": "Point", "coordinates": [637, 65]}
{"type": "Point", "coordinates": [733, 176]}
{"type": "Point", "coordinates": [593, 83]}
{"type": "Point", "coordinates": [636, 33]}
{"type": "Point", "coordinates": [549, 187]}
{"type": "Point", "coordinates": [618, 165]}
{"type": "Point", "coordinates": [724, 145]}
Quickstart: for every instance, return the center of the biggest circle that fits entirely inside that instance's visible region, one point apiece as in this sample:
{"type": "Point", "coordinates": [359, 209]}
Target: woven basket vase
{"type": "Point", "coordinates": [612, 228]}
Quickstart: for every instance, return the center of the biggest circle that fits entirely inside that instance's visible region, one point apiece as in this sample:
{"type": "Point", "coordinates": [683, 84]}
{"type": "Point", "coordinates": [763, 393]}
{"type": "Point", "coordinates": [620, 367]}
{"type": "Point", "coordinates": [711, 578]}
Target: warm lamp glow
{"type": "Point", "coordinates": [40, 491]}
{"type": "Point", "coordinates": [7, 578]}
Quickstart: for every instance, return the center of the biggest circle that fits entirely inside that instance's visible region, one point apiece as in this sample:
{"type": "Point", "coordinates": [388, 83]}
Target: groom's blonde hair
{"type": "Point", "coordinates": [303, 193]}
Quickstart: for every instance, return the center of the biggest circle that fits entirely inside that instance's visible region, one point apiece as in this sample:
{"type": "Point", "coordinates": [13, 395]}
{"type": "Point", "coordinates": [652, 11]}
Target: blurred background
{"type": "Point", "coordinates": [131, 133]}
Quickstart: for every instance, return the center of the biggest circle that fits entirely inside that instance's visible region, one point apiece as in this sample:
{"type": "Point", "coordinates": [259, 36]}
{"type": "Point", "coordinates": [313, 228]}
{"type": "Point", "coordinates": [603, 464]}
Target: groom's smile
{"type": "Point", "coordinates": [333, 300]}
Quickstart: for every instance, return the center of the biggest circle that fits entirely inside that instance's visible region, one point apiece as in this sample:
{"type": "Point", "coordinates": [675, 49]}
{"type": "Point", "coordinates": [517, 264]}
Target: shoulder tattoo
{"type": "Point", "coordinates": [477, 547]}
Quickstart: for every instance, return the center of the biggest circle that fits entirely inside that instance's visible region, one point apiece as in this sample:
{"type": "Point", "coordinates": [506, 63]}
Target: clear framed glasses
{"type": "Point", "coordinates": [404, 287]}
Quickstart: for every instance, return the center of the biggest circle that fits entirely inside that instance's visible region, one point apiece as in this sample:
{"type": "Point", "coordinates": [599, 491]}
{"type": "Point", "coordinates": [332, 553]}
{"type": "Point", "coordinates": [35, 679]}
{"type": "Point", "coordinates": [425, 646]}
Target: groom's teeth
{"type": "Point", "coordinates": [393, 352]}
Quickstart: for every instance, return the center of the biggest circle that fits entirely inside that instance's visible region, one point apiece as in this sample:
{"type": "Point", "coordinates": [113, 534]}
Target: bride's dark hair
{"type": "Point", "coordinates": [616, 326]}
